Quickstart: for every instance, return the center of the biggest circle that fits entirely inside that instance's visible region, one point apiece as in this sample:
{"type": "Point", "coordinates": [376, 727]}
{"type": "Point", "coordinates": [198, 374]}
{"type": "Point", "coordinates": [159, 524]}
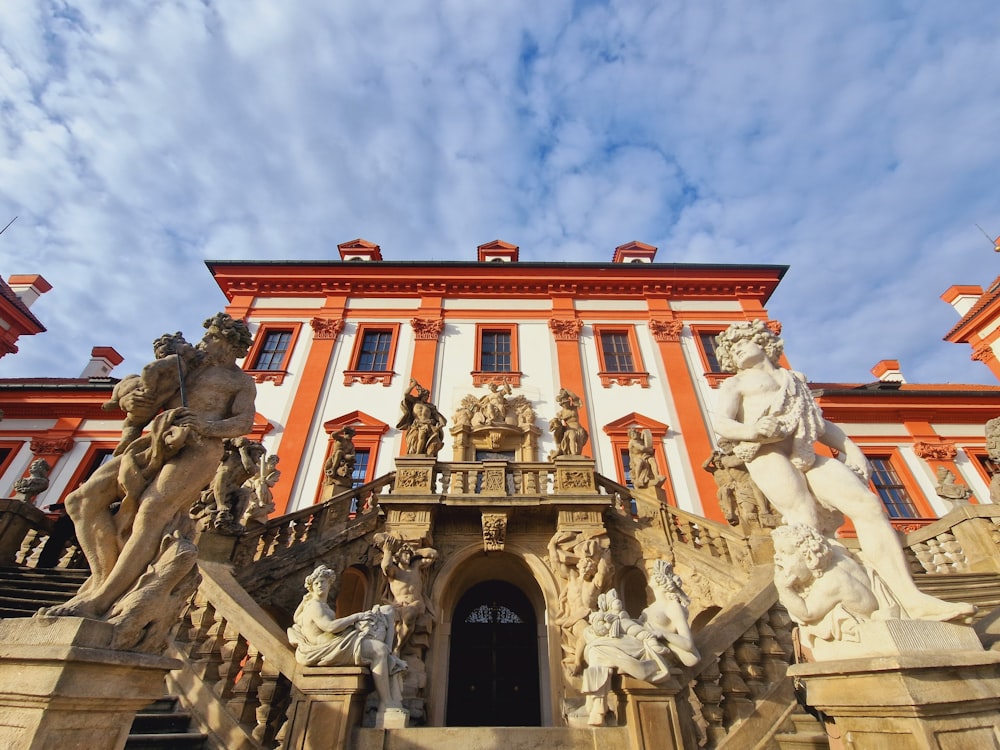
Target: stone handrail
{"type": "Point", "coordinates": [25, 531]}
{"type": "Point", "coordinates": [298, 527]}
{"type": "Point", "coordinates": [965, 540]}
{"type": "Point", "coordinates": [708, 537]}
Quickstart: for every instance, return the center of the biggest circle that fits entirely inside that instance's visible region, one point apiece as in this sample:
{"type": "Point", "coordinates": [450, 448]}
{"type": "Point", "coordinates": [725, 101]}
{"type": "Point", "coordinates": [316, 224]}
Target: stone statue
{"type": "Point", "coordinates": [569, 434]}
{"type": "Point", "coordinates": [160, 474]}
{"type": "Point", "coordinates": [321, 639]}
{"type": "Point", "coordinates": [339, 467]}
{"type": "Point", "coordinates": [35, 483]}
{"type": "Point", "coordinates": [642, 459]}
{"type": "Point", "coordinates": [642, 648]}
{"type": "Point", "coordinates": [423, 423]}
{"type": "Point", "coordinates": [223, 504]}
{"type": "Point", "coordinates": [954, 494]}
{"type": "Point", "coordinates": [739, 498]}
{"type": "Point", "coordinates": [993, 451]}
{"type": "Point", "coordinates": [824, 589]}
{"type": "Point", "coordinates": [767, 417]}
{"type": "Point", "coordinates": [261, 498]}
{"type": "Point", "coordinates": [159, 381]}
{"type": "Point", "coordinates": [493, 406]}
{"type": "Point", "coordinates": [403, 567]}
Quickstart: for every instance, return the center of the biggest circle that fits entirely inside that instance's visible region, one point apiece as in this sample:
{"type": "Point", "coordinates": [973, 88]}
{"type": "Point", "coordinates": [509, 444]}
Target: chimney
{"type": "Point", "coordinates": [962, 298]}
{"type": "Point", "coordinates": [103, 359]}
{"type": "Point", "coordinates": [360, 249]}
{"type": "Point", "coordinates": [634, 252]}
{"type": "Point", "coordinates": [28, 287]}
{"type": "Point", "coordinates": [887, 371]}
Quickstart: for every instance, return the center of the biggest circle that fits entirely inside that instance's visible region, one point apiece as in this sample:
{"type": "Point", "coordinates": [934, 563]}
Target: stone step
{"type": "Point", "coordinates": [163, 725]}
{"type": "Point", "coordinates": [981, 589]}
{"type": "Point", "coordinates": [493, 738]}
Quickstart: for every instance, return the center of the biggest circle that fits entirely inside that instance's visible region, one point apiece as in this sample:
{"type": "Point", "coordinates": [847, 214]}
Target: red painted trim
{"type": "Point", "coordinates": [368, 377]}
{"type": "Point", "coordinates": [276, 376]}
{"type": "Point", "coordinates": [637, 375]}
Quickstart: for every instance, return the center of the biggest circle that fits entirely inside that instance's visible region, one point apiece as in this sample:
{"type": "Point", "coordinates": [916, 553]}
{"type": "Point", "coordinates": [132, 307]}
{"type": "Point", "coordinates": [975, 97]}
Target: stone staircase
{"type": "Point", "coordinates": [981, 589]}
{"type": "Point", "coordinates": [23, 591]}
{"type": "Point", "coordinates": [164, 725]}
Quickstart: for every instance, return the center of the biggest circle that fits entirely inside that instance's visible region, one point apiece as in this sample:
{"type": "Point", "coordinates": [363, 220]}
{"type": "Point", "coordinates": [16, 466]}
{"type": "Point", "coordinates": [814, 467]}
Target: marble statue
{"type": "Point", "coordinates": [35, 483]}
{"type": "Point", "coordinates": [824, 589]}
{"type": "Point", "coordinates": [160, 475]}
{"type": "Point", "coordinates": [223, 504]}
{"type": "Point", "coordinates": [767, 417]}
{"type": "Point", "coordinates": [642, 459]}
{"type": "Point", "coordinates": [423, 423]}
{"type": "Point", "coordinates": [159, 381]}
{"type": "Point", "coordinates": [569, 433]}
{"type": "Point", "coordinates": [339, 467]}
{"type": "Point", "coordinates": [954, 494]}
{"type": "Point", "coordinates": [403, 567]}
{"type": "Point", "coordinates": [261, 498]}
{"type": "Point", "coordinates": [642, 648]}
{"type": "Point", "coordinates": [739, 498]}
{"type": "Point", "coordinates": [321, 639]}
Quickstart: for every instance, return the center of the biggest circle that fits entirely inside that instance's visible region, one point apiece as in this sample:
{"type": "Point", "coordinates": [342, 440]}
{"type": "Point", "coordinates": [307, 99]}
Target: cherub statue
{"type": "Point", "coordinates": [955, 494]}
{"type": "Point", "coordinates": [321, 639]}
{"type": "Point", "coordinates": [423, 423]}
{"type": "Point", "coordinates": [824, 589]}
{"type": "Point", "coordinates": [566, 428]}
{"type": "Point", "coordinates": [493, 406]}
{"type": "Point", "coordinates": [223, 503]}
{"type": "Point", "coordinates": [159, 381]}
{"type": "Point", "coordinates": [261, 498]}
{"type": "Point", "coordinates": [642, 459]}
{"type": "Point", "coordinates": [35, 483]}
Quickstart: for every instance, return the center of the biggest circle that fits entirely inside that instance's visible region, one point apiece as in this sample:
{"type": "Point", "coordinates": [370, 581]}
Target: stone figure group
{"type": "Point", "coordinates": [767, 418]}
{"type": "Point", "coordinates": [642, 459]}
{"type": "Point", "coordinates": [339, 467]}
{"type": "Point", "coordinates": [156, 477]}
{"type": "Point", "coordinates": [423, 423]}
{"type": "Point", "coordinates": [566, 428]}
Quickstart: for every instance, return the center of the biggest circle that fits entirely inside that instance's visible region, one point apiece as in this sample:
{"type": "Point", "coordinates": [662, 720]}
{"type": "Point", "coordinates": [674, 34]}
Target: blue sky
{"type": "Point", "coordinates": [856, 142]}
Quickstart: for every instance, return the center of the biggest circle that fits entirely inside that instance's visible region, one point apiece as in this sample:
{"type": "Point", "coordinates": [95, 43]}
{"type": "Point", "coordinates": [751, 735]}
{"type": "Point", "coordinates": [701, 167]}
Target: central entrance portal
{"type": "Point", "coordinates": [493, 674]}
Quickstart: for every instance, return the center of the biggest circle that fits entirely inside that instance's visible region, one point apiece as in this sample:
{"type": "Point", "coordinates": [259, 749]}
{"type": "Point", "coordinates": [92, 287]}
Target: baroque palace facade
{"type": "Point", "coordinates": [509, 534]}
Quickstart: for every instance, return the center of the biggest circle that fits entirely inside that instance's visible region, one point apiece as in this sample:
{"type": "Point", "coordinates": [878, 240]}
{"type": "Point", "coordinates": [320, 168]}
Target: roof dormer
{"type": "Point", "coordinates": [498, 251]}
{"type": "Point", "coordinates": [634, 252]}
{"type": "Point", "coordinates": [359, 249]}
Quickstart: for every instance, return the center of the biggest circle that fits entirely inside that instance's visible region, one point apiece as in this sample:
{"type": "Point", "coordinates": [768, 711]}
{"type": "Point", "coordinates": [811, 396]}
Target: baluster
{"type": "Point", "coordinates": [736, 704]}
{"type": "Point", "coordinates": [273, 695]}
{"type": "Point", "coordinates": [244, 701]}
{"type": "Point", "coordinates": [232, 649]}
{"type": "Point", "coordinates": [720, 548]}
{"type": "Point", "coordinates": [782, 625]}
{"type": "Point", "coordinates": [284, 534]}
{"type": "Point", "coordinates": [751, 661]}
{"type": "Point", "coordinates": [774, 656]}
{"type": "Point", "coordinates": [300, 529]}
{"type": "Point", "coordinates": [200, 615]}
{"type": "Point", "coordinates": [206, 653]}
{"type": "Point", "coordinates": [710, 695]}
{"type": "Point", "coordinates": [31, 547]}
{"type": "Point", "coordinates": [266, 547]}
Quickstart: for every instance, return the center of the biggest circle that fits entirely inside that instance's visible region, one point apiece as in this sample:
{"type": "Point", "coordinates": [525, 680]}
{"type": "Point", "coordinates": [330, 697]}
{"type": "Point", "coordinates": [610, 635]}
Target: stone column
{"type": "Point", "coordinates": [938, 691]}
{"type": "Point", "coordinates": [62, 687]}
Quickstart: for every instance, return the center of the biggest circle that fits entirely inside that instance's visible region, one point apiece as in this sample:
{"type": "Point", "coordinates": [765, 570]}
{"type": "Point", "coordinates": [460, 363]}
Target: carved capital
{"type": "Point", "coordinates": [565, 330]}
{"type": "Point", "coordinates": [935, 451]}
{"type": "Point", "coordinates": [774, 326]}
{"type": "Point", "coordinates": [50, 446]}
{"type": "Point", "coordinates": [494, 531]}
{"type": "Point", "coordinates": [666, 330]}
{"type": "Point", "coordinates": [327, 328]}
{"type": "Point", "coordinates": [984, 354]}
{"type": "Point", "coordinates": [428, 329]}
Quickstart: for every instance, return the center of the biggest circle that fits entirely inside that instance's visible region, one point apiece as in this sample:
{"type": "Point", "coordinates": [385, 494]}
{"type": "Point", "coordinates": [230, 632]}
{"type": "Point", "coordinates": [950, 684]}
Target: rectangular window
{"type": "Point", "coordinates": [891, 490]}
{"type": "Point", "coordinates": [708, 349]}
{"type": "Point", "coordinates": [618, 355]}
{"type": "Point", "coordinates": [495, 348]}
{"type": "Point", "coordinates": [496, 355]}
{"type": "Point", "coordinates": [626, 468]}
{"type": "Point", "coordinates": [374, 354]}
{"type": "Point", "coordinates": [360, 474]}
{"type": "Point", "coordinates": [272, 353]}
{"type": "Point", "coordinates": [375, 349]}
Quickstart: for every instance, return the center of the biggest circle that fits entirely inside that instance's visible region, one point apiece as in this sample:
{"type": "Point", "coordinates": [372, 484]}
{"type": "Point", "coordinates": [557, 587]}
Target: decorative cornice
{"type": "Point", "coordinates": [624, 378]}
{"type": "Point", "coordinates": [565, 330]}
{"type": "Point", "coordinates": [268, 376]}
{"type": "Point", "coordinates": [368, 378]}
{"type": "Point", "coordinates": [428, 329]}
{"type": "Point", "coordinates": [480, 378]}
{"type": "Point", "coordinates": [984, 354]}
{"type": "Point", "coordinates": [326, 328]}
{"type": "Point", "coordinates": [50, 446]}
{"type": "Point", "coordinates": [666, 330]}
{"type": "Point", "coordinates": [935, 451]}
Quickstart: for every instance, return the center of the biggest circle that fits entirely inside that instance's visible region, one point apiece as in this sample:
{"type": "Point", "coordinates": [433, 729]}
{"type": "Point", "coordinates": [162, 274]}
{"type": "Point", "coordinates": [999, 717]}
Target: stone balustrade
{"type": "Point", "coordinates": [26, 532]}
{"type": "Point", "coordinates": [966, 540]}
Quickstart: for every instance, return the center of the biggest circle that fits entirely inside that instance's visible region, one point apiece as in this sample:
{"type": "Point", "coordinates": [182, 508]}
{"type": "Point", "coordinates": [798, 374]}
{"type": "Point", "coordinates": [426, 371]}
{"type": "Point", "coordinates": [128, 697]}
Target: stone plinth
{"type": "Point", "coordinates": [414, 475]}
{"type": "Point", "coordinates": [327, 704]}
{"type": "Point", "coordinates": [62, 687]}
{"type": "Point", "coordinates": [943, 700]}
{"type": "Point", "coordinates": [651, 714]}
{"type": "Point", "coordinates": [574, 476]}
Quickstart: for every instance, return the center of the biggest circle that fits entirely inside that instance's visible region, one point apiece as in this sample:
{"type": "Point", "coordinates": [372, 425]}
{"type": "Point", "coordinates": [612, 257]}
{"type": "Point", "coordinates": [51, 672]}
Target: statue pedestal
{"type": "Point", "coordinates": [327, 703]}
{"type": "Point", "coordinates": [414, 475]}
{"type": "Point", "coordinates": [62, 687]}
{"type": "Point", "coordinates": [574, 476]}
{"type": "Point", "coordinates": [651, 714]}
{"type": "Point", "coordinates": [922, 697]}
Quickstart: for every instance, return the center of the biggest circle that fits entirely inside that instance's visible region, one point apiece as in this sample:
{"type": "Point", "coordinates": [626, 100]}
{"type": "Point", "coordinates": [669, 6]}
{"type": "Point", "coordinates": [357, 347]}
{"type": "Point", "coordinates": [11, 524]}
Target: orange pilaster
{"type": "Point", "coordinates": [305, 405]}
{"type": "Point", "coordinates": [565, 327]}
{"type": "Point", "coordinates": [691, 422]}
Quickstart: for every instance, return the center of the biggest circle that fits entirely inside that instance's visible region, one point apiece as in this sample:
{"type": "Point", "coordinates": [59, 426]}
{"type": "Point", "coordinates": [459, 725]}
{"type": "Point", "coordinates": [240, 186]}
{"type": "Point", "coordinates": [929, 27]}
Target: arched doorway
{"type": "Point", "coordinates": [493, 673]}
